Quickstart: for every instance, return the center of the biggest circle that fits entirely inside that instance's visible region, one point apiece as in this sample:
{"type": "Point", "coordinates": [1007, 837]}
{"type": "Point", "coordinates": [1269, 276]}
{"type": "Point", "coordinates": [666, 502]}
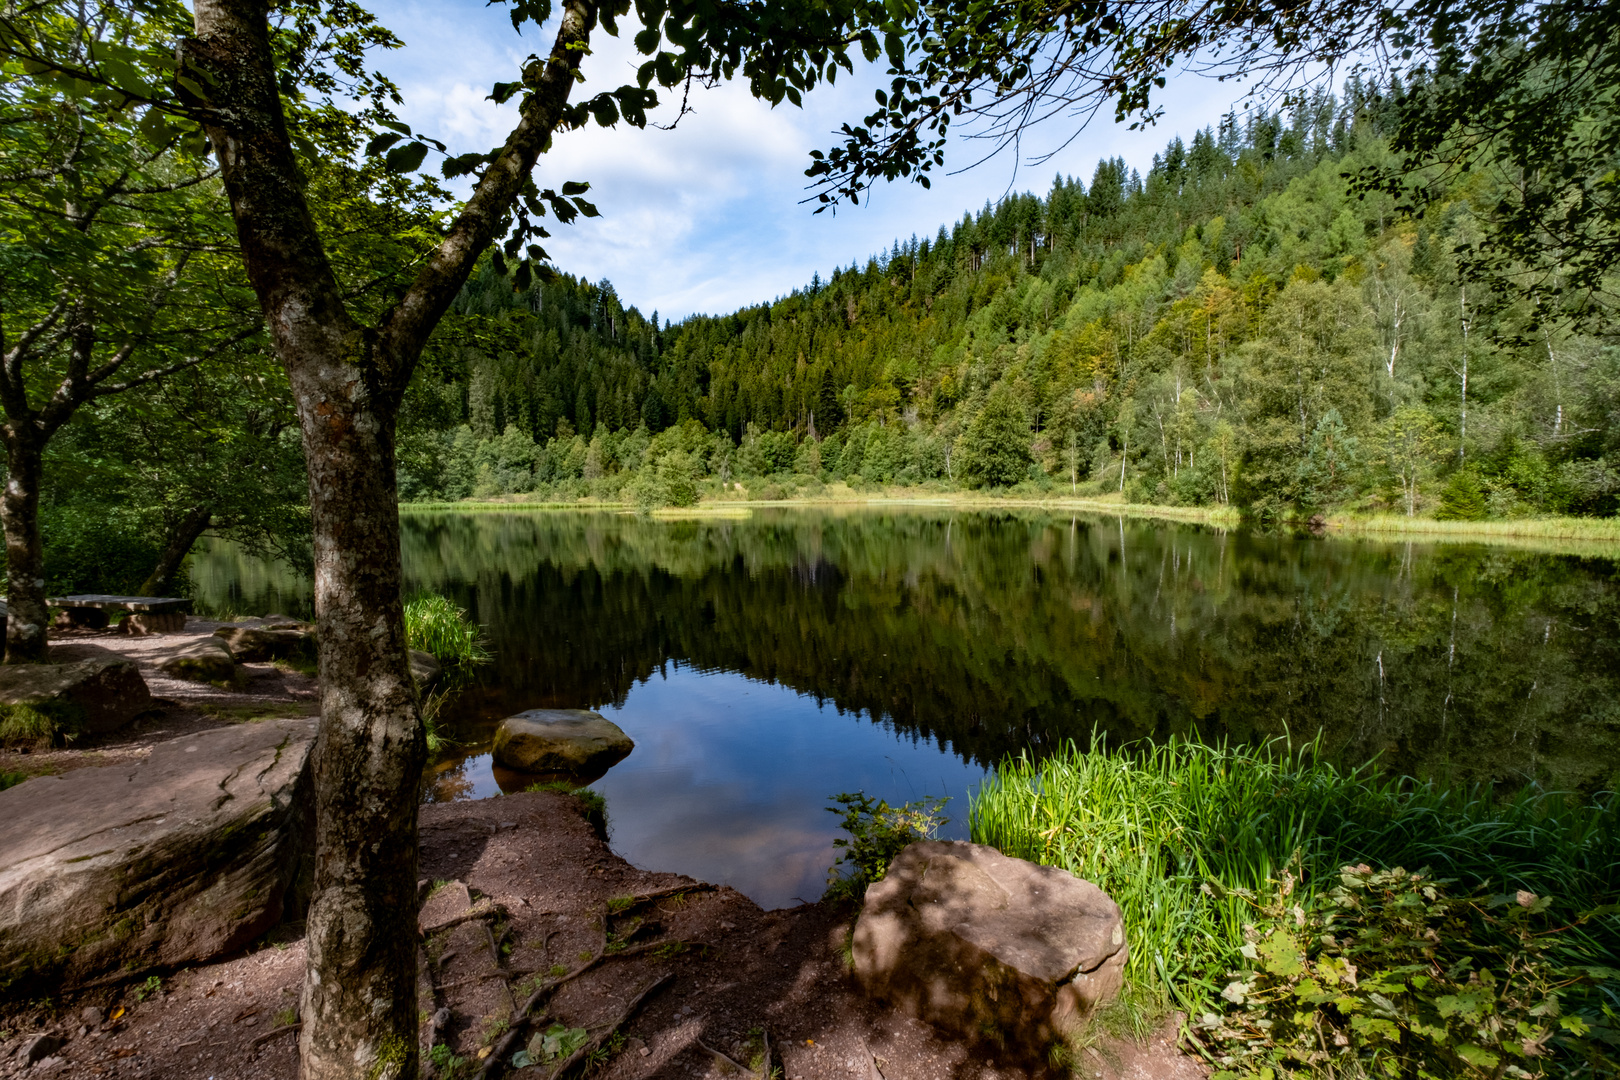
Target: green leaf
{"type": "Point", "coordinates": [382, 142]}
{"type": "Point", "coordinates": [575, 187]}
{"type": "Point", "coordinates": [1373, 1028]}
{"type": "Point", "coordinates": [1281, 955]}
{"type": "Point", "coordinates": [1478, 1056]}
{"type": "Point", "coordinates": [407, 158]}
{"type": "Point", "coordinates": [1470, 1003]}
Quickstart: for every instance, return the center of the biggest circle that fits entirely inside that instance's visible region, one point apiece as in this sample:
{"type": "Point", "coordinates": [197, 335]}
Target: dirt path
{"type": "Point", "coordinates": [179, 707]}
{"type": "Point", "coordinates": [522, 893]}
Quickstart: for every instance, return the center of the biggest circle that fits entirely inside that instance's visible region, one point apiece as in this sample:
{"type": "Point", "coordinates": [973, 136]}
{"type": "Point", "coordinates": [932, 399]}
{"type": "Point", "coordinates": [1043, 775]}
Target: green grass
{"type": "Point", "coordinates": [39, 725]}
{"type": "Point", "coordinates": [1183, 836]}
{"type": "Point", "coordinates": [435, 625]}
{"type": "Point", "coordinates": [1606, 530]}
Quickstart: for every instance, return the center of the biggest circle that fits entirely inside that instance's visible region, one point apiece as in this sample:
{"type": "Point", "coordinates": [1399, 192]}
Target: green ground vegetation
{"type": "Point", "coordinates": [877, 833]}
{"type": "Point", "coordinates": [436, 625]}
{"type": "Point", "coordinates": [1316, 921]}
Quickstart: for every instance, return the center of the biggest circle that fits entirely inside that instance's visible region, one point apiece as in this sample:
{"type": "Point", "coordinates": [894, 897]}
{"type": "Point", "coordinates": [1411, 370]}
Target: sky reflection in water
{"type": "Point", "coordinates": [701, 796]}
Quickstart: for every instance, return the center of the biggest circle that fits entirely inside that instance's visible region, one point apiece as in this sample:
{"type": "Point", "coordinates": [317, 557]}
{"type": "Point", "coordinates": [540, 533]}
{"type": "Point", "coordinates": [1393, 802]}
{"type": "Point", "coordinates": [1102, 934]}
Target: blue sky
{"type": "Point", "coordinates": [707, 218]}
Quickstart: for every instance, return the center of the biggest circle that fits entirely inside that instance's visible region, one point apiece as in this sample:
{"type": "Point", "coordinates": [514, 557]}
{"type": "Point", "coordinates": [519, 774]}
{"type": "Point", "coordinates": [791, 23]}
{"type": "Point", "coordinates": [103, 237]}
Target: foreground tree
{"type": "Point", "coordinates": [995, 447]}
{"type": "Point", "coordinates": [348, 377]}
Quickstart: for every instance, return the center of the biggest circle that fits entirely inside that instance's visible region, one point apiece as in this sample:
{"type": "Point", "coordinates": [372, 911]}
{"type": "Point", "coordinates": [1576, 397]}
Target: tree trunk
{"type": "Point", "coordinates": [25, 550]}
{"type": "Point", "coordinates": [359, 999]}
{"type": "Point", "coordinates": [190, 529]}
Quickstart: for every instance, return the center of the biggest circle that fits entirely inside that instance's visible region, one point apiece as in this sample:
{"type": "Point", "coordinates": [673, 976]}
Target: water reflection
{"type": "Point", "coordinates": [730, 777]}
{"type": "Point", "coordinates": [984, 634]}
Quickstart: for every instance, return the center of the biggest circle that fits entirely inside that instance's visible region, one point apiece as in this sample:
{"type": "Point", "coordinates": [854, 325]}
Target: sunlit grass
{"type": "Point", "coordinates": [435, 625]}
{"type": "Point", "coordinates": [1553, 528]}
{"type": "Point", "coordinates": [1173, 832]}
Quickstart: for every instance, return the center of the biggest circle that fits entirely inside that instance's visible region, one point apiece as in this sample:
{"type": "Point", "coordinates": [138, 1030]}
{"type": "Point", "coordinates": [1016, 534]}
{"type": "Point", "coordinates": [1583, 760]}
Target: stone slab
{"type": "Point", "coordinates": [154, 604]}
{"type": "Point", "coordinates": [194, 852]}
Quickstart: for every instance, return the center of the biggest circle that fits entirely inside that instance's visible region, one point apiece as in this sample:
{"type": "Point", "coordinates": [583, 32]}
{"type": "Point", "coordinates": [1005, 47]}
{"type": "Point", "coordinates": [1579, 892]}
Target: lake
{"type": "Point", "coordinates": [763, 664]}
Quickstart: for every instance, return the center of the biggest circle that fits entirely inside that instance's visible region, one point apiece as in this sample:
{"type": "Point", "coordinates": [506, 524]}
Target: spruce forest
{"type": "Point", "coordinates": [1250, 324]}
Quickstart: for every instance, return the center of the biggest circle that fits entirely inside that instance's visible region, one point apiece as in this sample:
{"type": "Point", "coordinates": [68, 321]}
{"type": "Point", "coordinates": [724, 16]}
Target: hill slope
{"type": "Point", "coordinates": [1238, 326]}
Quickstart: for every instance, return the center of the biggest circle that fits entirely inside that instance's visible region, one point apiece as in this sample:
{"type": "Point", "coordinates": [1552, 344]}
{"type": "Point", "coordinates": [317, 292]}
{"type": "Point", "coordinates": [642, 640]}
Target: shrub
{"type": "Point", "coordinates": [877, 833]}
{"type": "Point", "coordinates": [1389, 971]}
{"type": "Point", "coordinates": [1462, 500]}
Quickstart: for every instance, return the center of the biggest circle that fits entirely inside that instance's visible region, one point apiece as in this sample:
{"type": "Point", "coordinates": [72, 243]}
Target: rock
{"type": "Point", "coordinates": [256, 645]}
{"type": "Point", "coordinates": [195, 852]}
{"type": "Point", "coordinates": [39, 1047]}
{"type": "Point", "coordinates": [560, 740]}
{"type": "Point", "coordinates": [425, 667]}
{"type": "Point", "coordinates": [988, 947]}
{"type": "Point", "coordinates": [207, 659]}
{"type": "Point", "coordinates": [146, 623]}
{"type": "Point", "coordinates": [93, 696]}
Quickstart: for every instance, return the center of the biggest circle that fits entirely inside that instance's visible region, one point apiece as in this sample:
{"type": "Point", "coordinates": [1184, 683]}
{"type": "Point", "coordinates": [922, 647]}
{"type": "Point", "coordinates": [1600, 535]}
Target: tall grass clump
{"type": "Point", "coordinates": [435, 625]}
{"type": "Point", "coordinates": [1200, 845]}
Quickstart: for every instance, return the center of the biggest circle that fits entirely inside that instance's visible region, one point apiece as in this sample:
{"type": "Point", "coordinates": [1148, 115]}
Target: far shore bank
{"type": "Point", "coordinates": [1552, 535]}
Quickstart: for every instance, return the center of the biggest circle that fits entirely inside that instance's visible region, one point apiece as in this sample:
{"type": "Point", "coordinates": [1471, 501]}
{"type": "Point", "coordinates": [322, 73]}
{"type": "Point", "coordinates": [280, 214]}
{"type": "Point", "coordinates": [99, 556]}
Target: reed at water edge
{"type": "Point", "coordinates": [1176, 833]}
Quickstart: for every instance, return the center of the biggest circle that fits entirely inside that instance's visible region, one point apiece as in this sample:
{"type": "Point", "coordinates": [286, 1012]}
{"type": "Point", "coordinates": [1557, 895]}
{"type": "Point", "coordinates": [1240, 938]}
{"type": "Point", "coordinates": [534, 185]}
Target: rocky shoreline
{"type": "Point", "coordinates": [519, 890]}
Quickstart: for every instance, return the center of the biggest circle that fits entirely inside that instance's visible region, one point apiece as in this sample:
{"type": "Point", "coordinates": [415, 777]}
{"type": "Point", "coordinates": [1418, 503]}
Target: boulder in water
{"type": "Point", "coordinates": [572, 741]}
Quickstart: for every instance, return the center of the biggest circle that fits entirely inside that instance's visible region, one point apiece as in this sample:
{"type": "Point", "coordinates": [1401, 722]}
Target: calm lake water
{"type": "Point", "coordinates": [762, 665]}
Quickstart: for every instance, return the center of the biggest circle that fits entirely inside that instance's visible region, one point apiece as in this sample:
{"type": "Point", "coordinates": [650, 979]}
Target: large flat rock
{"type": "Point", "coordinates": [195, 852]}
{"type": "Point", "coordinates": [94, 696]}
{"type": "Point", "coordinates": [572, 741]}
{"type": "Point", "coordinates": [988, 948]}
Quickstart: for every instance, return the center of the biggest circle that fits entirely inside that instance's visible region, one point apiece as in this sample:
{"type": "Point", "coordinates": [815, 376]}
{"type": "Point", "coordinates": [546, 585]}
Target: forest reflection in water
{"type": "Point", "coordinates": [962, 637]}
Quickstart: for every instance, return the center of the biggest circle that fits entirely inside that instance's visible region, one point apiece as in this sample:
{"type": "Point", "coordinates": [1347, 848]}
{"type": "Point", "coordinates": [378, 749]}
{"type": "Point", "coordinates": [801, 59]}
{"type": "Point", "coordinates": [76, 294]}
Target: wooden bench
{"type": "Point", "coordinates": [147, 614]}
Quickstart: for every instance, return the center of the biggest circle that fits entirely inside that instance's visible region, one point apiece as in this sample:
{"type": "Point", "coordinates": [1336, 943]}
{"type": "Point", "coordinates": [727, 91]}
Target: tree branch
{"type": "Point", "coordinates": [405, 329]}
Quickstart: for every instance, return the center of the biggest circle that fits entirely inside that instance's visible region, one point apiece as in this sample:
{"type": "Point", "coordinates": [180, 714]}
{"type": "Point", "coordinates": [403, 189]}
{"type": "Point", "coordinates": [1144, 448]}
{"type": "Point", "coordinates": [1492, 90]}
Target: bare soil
{"type": "Point", "coordinates": [551, 904]}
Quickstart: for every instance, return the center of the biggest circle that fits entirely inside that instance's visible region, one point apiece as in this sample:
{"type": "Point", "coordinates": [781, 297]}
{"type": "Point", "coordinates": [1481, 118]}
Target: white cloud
{"type": "Point", "coordinates": [708, 217]}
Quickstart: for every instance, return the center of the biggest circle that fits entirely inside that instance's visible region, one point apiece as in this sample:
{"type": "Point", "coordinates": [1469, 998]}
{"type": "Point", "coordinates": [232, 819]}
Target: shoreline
{"type": "Point", "coordinates": [1550, 535]}
{"type": "Point", "coordinates": [543, 880]}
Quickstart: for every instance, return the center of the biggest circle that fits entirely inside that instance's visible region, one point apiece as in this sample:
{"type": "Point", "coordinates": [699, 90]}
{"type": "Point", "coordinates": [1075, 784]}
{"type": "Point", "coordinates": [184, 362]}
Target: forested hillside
{"type": "Point", "coordinates": [1239, 326]}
